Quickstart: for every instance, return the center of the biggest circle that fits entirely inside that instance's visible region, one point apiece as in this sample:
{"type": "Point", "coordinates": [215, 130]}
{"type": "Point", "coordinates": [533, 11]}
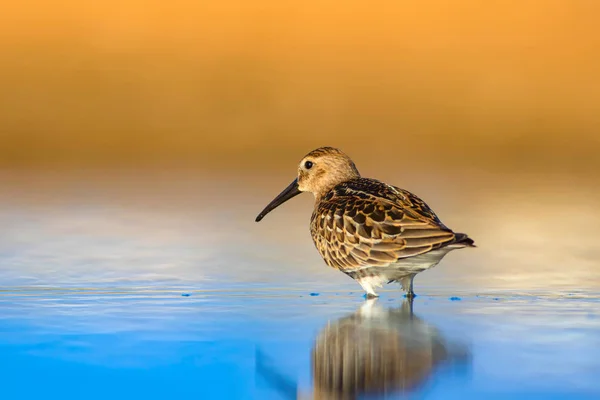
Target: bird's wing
{"type": "Point", "coordinates": [354, 231]}
{"type": "Point", "coordinates": [412, 204]}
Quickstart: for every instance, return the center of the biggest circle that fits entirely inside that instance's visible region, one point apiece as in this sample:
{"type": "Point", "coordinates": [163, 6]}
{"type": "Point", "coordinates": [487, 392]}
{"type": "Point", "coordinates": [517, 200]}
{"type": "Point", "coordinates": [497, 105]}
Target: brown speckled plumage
{"type": "Point", "coordinates": [372, 231]}
{"type": "Point", "coordinates": [364, 222]}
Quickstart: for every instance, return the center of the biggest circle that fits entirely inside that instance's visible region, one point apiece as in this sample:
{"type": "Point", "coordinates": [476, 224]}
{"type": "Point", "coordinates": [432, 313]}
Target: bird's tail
{"type": "Point", "coordinates": [462, 239]}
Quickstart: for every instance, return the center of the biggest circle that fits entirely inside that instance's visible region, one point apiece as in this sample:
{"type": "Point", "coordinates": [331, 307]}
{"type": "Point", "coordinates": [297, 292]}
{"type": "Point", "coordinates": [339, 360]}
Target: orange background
{"type": "Point", "coordinates": [490, 85]}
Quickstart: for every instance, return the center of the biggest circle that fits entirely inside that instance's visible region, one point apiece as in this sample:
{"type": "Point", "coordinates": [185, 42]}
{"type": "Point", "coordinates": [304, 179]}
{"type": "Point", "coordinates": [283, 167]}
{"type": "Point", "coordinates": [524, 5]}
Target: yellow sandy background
{"type": "Point", "coordinates": [488, 85]}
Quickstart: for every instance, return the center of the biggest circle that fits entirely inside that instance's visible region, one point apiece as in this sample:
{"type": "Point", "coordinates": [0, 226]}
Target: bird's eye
{"type": "Point", "coordinates": [308, 165]}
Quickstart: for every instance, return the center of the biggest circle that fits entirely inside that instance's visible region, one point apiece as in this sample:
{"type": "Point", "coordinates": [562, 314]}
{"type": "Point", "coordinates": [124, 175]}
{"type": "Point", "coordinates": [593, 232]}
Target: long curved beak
{"type": "Point", "coordinates": [291, 191]}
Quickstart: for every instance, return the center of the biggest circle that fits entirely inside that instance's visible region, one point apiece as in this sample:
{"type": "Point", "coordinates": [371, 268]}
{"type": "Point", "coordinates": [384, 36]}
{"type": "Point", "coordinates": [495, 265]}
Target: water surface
{"type": "Point", "coordinates": [142, 285]}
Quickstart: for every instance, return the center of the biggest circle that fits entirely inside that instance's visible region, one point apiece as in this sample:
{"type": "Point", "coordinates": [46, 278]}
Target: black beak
{"type": "Point", "coordinates": [284, 196]}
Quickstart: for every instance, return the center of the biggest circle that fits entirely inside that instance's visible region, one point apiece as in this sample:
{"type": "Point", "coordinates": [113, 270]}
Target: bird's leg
{"type": "Point", "coordinates": [366, 285]}
{"type": "Point", "coordinates": [407, 285]}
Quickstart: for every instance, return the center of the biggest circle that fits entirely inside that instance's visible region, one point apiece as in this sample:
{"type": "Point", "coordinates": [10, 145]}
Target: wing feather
{"type": "Point", "coordinates": [352, 231]}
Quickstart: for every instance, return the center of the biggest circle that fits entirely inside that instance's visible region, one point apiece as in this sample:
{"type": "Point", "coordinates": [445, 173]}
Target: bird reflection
{"type": "Point", "coordinates": [375, 351]}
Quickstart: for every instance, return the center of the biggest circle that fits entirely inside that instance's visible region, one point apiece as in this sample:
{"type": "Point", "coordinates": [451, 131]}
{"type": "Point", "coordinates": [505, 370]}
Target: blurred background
{"type": "Point", "coordinates": [506, 85]}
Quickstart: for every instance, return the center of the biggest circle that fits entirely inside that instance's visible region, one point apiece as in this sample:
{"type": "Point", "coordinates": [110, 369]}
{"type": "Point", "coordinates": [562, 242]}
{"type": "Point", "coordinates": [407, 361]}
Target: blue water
{"type": "Point", "coordinates": [128, 299]}
{"type": "Point", "coordinates": [140, 343]}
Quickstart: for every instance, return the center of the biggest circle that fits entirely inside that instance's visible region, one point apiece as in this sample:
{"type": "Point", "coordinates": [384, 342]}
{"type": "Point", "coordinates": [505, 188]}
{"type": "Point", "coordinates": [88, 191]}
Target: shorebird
{"type": "Point", "coordinates": [373, 232]}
